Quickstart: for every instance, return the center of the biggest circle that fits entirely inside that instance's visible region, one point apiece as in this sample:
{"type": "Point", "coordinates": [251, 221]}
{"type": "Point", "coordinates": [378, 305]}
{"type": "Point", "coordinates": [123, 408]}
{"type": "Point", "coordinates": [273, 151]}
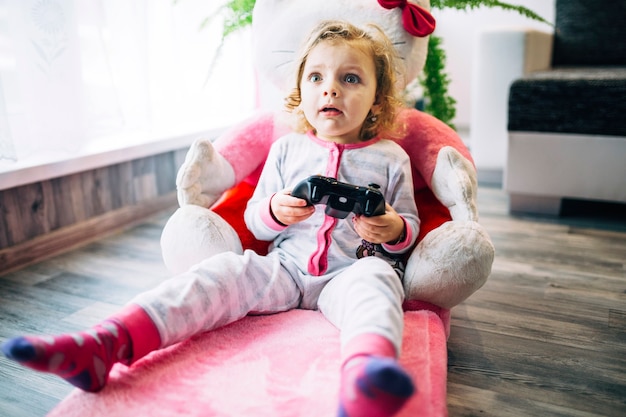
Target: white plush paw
{"type": "Point", "coordinates": [454, 184]}
{"type": "Point", "coordinates": [449, 264]}
{"type": "Point", "coordinates": [193, 234]}
{"type": "Point", "coordinates": [204, 175]}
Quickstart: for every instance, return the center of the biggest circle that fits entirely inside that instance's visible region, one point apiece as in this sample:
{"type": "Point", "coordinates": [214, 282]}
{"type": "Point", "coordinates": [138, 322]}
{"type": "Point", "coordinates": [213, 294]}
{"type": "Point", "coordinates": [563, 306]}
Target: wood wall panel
{"type": "Point", "coordinates": [43, 218]}
{"type": "Point", "coordinates": [10, 216]}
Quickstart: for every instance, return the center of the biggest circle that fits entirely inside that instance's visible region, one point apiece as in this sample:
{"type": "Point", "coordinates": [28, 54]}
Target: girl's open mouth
{"type": "Point", "coordinates": [330, 111]}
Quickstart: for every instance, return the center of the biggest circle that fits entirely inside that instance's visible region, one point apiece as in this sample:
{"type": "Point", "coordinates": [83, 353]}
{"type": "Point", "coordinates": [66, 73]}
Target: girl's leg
{"type": "Point", "coordinates": [218, 291]}
{"type": "Point", "coordinates": [365, 303]}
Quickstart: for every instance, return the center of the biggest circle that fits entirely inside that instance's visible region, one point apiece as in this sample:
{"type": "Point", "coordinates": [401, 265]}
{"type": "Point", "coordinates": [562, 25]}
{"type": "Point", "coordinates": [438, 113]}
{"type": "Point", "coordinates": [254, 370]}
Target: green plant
{"type": "Point", "coordinates": [474, 4]}
{"type": "Point", "coordinates": [238, 15]}
{"type": "Point", "coordinates": [434, 79]}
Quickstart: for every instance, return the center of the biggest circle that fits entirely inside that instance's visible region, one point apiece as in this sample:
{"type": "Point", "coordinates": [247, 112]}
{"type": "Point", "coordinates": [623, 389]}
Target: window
{"type": "Point", "coordinates": [80, 75]}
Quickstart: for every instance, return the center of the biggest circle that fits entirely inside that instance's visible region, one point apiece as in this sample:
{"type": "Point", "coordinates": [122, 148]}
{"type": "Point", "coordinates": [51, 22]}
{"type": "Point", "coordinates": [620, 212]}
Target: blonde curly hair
{"type": "Point", "coordinates": [378, 45]}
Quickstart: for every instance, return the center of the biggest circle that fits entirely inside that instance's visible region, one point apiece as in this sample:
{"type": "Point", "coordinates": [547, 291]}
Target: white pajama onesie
{"type": "Point", "coordinates": [315, 264]}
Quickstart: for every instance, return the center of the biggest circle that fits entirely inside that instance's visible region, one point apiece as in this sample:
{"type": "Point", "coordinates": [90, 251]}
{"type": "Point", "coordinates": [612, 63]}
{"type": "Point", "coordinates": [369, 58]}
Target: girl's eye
{"type": "Point", "coordinates": [352, 79]}
{"type": "Point", "coordinates": [315, 78]}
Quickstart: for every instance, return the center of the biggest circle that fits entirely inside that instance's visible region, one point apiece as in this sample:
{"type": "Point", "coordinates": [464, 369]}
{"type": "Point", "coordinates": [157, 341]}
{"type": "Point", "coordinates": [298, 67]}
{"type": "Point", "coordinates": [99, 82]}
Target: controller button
{"type": "Point", "coordinates": [314, 195]}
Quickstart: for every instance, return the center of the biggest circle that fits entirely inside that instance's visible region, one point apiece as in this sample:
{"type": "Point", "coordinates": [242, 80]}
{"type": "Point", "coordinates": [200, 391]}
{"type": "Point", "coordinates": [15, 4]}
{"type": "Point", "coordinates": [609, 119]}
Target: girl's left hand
{"type": "Point", "coordinates": [379, 229]}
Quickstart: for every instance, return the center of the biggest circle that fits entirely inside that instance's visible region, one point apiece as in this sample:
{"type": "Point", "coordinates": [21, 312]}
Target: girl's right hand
{"type": "Point", "coordinates": [288, 209]}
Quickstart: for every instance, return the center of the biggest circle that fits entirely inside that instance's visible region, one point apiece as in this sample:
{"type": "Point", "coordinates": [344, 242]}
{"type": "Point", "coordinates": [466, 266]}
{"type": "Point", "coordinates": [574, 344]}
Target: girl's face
{"type": "Point", "coordinates": [338, 90]}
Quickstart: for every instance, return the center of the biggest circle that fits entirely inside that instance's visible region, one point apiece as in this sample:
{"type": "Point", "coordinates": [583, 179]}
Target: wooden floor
{"type": "Point", "coordinates": [546, 336]}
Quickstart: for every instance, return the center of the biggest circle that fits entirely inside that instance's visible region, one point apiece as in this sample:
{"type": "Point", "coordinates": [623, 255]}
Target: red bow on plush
{"type": "Point", "coordinates": [415, 19]}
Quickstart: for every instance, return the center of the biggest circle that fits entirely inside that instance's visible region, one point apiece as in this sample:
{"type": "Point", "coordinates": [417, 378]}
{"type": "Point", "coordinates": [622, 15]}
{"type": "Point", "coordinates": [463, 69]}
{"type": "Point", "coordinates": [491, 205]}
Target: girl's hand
{"type": "Point", "coordinates": [385, 228]}
{"type": "Point", "coordinates": [290, 210]}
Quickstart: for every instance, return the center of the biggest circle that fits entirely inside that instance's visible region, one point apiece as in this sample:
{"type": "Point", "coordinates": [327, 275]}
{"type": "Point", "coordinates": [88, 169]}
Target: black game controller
{"type": "Point", "coordinates": [341, 198]}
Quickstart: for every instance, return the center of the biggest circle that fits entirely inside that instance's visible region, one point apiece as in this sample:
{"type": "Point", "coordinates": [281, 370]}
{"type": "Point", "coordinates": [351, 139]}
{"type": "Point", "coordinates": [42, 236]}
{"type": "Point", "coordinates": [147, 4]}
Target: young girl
{"type": "Point", "coordinates": [349, 268]}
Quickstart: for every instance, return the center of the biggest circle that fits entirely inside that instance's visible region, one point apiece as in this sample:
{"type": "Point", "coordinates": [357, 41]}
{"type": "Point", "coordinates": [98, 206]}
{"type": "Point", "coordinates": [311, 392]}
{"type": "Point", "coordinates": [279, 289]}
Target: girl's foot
{"type": "Point", "coordinates": [83, 359]}
{"type": "Point", "coordinates": [374, 387]}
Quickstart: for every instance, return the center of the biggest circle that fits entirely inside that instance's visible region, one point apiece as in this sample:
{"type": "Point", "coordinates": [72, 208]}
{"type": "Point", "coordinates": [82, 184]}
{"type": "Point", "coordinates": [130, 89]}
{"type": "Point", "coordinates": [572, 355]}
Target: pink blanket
{"type": "Point", "coordinates": [285, 364]}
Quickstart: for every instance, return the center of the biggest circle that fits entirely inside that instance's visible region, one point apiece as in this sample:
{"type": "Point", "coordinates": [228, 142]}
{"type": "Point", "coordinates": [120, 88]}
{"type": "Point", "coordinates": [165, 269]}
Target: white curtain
{"type": "Point", "coordinates": [72, 71]}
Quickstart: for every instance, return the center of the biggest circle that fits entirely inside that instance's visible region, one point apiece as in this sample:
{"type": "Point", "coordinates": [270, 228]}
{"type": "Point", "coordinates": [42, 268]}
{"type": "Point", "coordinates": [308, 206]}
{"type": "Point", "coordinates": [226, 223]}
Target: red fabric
{"type": "Point", "coordinates": [415, 19]}
{"type": "Point", "coordinates": [431, 212]}
{"type": "Point", "coordinates": [231, 208]}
